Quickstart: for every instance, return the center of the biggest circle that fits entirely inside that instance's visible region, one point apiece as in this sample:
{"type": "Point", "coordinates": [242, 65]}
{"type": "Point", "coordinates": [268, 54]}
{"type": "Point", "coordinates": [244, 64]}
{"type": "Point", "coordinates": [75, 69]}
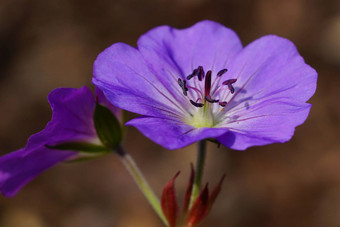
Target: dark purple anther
{"type": "Point", "coordinates": [207, 86]}
{"type": "Point", "coordinates": [221, 72]}
{"type": "Point", "coordinates": [197, 104]}
{"type": "Point", "coordinates": [183, 85]}
{"type": "Point", "coordinates": [200, 73]}
{"type": "Point", "coordinates": [209, 99]}
{"type": "Point", "coordinates": [230, 86]}
{"type": "Point", "coordinates": [194, 73]}
{"type": "Point", "coordinates": [223, 104]}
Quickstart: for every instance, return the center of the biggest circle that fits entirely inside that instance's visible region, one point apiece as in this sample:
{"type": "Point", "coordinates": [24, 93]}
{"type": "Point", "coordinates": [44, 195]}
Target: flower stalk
{"type": "Point", "coordinates": [141, 182]}
{"type": "Point", "coordinates": [201, 153]}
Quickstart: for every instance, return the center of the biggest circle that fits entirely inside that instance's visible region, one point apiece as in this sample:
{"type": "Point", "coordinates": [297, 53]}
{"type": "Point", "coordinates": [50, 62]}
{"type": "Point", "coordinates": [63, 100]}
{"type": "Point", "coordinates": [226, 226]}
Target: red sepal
{"type": "Point", "coordinates": [199, 209]}
{"type": "Point", "coordinates": [169, 202]}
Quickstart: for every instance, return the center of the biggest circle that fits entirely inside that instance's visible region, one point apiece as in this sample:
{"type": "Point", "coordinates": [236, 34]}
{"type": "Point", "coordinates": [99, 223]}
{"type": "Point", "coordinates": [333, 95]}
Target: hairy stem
{"type": "Point", "coordinates": [143, 185]}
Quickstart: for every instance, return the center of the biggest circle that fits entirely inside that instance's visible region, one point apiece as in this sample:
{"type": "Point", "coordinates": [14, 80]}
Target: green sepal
{"type": "Point", "coordinates": [83, 147]}
{"type": "Point", "coordinates": [86, 158]}
{"type": "Point", "coordinates": [107, 126]}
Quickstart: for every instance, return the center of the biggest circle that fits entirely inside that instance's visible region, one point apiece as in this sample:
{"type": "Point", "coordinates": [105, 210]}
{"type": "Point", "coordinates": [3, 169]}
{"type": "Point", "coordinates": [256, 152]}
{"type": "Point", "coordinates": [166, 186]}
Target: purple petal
{"type": "Point", "coordinates": [271, 67]}
{"type": "Point", "coordinates": [71, 121]}
{"type": "Point", "coordinates": [172, 134]}
{"type": "Point", "coordinates": [269, 122]}
{"type": "Point", "coordinates": [207, 43]}
{"type": "Point", "coordinates": [21, 166]}
{"type": "Point", "coordinates": [121, 73]}
{"type": "Point", "coordinates": [273, 84]}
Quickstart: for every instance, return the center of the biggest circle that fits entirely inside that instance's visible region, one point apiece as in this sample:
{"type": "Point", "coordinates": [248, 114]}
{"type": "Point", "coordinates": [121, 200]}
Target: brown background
{"type": "Point", "coordinates": [49, 44]}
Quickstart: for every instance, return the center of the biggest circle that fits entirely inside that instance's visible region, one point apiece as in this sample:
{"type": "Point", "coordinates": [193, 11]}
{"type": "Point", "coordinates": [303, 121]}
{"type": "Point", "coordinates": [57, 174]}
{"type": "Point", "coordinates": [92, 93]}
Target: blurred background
{"type": "Point", "coordinates": [49, 44]}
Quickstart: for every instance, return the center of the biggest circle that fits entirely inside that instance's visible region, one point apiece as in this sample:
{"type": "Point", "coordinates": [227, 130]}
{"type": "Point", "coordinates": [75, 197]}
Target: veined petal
{"type": "Point", "coordinates": [173, 134]}
{"type": "Point", "coordinates": [273, 84]}
{"type": "Point", "coordinates": [270, 67]}
{"type": "Point", "coordinates": [268, 122]}
{"type": "Point", "coordinates": [207, 43]}
{"type": "Point", "coordinates": [121, 73]}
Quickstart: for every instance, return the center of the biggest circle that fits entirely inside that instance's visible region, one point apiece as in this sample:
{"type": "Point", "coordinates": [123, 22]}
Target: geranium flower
{"type": "Point", "coordinates": [199, 82]}
{"type": "Point", "coordinates": [72, 124]}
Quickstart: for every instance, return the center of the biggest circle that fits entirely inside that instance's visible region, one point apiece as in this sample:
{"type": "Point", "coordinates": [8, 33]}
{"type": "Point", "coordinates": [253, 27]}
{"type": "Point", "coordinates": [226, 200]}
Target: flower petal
{"type": "Point", "coordinates": [270, 67]}
{"type": "Point", "coordinates": [21, 166]}
{"type": "Point", "coordinates": [121, 73]}
{"type": "Point", "coordinates": [273, 84]}
{"type": "Point", "coordinates": [172, 134]}
{"type": "Point", "coordinates": [71, 121]}
{"type": "Point", "coordinates": [207, 43]}
{"type": "Point", "coordinates": [269, 122]}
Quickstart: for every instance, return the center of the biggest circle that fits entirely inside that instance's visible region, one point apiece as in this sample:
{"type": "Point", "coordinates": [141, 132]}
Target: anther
{"type": "Point", "coordinates": [197, 104]}
{"type": "Point", "coordinates": [183, 85]}
{"type": "Point", "coordinates": [194, 73]}
{"type": "Point", "coordinates": [230, 86]}
{"type": "Point", "coordinates": [200, 73]}
{"type": "Point", "coordinates": [209, 99]}
{"type": "Point", "coordinates": [223, 104]}
{"type": "Point", "coordinates": [221, 72]}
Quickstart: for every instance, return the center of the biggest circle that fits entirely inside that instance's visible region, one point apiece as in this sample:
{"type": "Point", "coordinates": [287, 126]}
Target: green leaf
{"type": "Point", "coordinates": [107, 126]}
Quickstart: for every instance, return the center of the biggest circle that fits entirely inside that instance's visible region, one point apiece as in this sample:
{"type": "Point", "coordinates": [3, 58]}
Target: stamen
{"type": "Point", "coordinates": [223, 104]}
{"type": "Point", "coordinates": [209, 99]}
{"type": "Point", "coordinates": [203, 90]}
{"type": "Point", "coordinates": [196, 103]}
{"type": "Point", "coordinates": [200, 73]}
{"type": "Point", "coordinates": [230, 86]}
{"type": "Point", "coordinates": [183, 85]}
{"type": "Point", "coordinates": [194, 73]}
{"type": "Point", "coordinates": [221, 72]}
{"type": "Point", "coordinates": [207, 86]}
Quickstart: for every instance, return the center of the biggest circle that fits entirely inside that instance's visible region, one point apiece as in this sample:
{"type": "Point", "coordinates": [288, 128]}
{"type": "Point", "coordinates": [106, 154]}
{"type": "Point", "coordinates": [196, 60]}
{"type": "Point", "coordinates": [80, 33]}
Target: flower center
{"type": "Point", "coordinates": [206, 95]}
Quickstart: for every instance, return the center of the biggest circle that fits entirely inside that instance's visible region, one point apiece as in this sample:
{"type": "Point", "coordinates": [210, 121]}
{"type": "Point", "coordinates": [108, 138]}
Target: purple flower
{"type": "Point", "coordinates": [72, 121]}
{"type": "Point", "coordinates": [199, 82]}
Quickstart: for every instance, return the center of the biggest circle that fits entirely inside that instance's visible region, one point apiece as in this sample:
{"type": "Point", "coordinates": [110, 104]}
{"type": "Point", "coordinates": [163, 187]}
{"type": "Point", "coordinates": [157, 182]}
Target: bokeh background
{"type": "Point", "coordinates": [49, 44]}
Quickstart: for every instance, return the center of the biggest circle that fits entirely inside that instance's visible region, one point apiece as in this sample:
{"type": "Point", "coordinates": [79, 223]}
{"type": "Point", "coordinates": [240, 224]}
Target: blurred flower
{"type": "Point", "coordinates": [198, 83]}
{"type": "Point", "coordinates": [72, 128]}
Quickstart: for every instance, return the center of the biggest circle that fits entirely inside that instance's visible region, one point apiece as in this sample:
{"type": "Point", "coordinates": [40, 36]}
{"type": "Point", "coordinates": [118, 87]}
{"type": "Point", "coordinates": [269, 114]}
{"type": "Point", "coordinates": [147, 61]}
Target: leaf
{"type": "Point", "coordinates": [169, 202]}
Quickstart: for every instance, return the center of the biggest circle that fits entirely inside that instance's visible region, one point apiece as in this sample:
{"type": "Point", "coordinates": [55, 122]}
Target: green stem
{"type": "Point", "coordinates": [143, 185]}
{"type": "Point", "coordinates": [201, 153]}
